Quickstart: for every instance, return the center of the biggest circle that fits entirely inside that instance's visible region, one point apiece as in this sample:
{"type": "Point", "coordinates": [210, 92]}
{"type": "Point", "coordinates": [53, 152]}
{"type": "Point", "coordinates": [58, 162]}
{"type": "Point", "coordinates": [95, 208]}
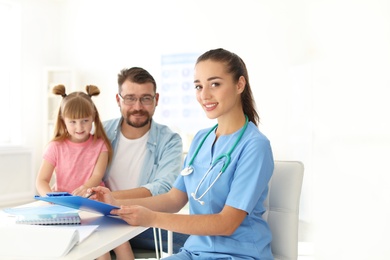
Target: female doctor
{"type": "Point", "coordinates": [225, 175]}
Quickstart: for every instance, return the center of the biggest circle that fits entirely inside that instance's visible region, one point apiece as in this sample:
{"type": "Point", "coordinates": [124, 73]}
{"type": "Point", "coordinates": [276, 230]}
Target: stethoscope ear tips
{"type": "Point", "coordinates": [197, 199]}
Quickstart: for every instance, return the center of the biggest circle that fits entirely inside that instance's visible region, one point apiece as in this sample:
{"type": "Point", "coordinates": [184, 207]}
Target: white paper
{"type": "Point", "coordinates": [37, 241]}
{"type": "Point", "coordinates": [84, 231]}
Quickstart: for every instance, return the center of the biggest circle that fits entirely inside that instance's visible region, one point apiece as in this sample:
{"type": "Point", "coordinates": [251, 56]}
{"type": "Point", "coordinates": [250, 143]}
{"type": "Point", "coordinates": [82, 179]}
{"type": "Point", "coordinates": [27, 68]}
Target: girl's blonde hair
{"type": "Point", "coordinates": [78, 105]}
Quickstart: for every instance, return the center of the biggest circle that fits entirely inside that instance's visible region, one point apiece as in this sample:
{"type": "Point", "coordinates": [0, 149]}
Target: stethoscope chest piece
{"type": "Point", "coordinates": [187, 171]}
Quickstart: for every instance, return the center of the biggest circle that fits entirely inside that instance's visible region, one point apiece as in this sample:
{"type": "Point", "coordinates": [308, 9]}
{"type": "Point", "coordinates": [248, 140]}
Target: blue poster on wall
{"type": "Point", "coordinates": [178, 106]}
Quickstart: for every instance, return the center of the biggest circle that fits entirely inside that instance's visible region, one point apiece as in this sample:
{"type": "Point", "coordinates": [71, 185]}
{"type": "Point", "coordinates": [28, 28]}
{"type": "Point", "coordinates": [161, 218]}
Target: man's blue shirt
{"type": "Point", "coordinates": [163, 159]}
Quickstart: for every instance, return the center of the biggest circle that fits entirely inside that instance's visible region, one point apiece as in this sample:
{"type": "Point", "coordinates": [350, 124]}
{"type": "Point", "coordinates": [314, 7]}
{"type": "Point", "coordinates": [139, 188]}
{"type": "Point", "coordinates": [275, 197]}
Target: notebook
{"type": "Point", "coordinates": [45, 215]}
{"type": "Point", "coordinates": [49, 219]}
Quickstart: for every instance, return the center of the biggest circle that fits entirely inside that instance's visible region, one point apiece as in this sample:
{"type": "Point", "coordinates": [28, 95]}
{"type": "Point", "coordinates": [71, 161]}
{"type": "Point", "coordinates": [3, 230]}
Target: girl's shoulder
{"type": "Point", "coordinates": [96, 141]}
{"type": "Point", "coordinates": [53, 146]}
{"type": "Point", "coordinates": [55, 143]}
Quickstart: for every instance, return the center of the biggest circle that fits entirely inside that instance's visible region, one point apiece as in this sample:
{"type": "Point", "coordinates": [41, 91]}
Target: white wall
{"type": "Point", "coordinates": [319, 71]}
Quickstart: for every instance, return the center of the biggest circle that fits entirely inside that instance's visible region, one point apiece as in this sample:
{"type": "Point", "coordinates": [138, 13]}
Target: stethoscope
{"type": "Point", "coordinates": [189, 169]}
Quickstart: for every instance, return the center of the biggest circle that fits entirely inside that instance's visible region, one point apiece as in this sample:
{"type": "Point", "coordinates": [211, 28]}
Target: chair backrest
{"type": "Point", "coordinates": [282, 206]}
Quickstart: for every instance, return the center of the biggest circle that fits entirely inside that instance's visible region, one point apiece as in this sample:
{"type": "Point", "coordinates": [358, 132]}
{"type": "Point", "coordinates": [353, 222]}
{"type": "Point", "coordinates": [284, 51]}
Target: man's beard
{"type": "Point", "coordinates": [138, 124]}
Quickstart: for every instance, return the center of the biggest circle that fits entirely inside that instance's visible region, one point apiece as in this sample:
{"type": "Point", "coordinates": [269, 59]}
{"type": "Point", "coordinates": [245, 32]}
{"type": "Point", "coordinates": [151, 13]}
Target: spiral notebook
{"type": "Point", "coordinates": [49, 219]}
{"type": "Point", "coordinates": [45, 215]}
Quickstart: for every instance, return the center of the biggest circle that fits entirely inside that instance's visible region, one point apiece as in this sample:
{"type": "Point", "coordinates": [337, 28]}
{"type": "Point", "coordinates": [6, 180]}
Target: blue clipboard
{"type": "Point", "coordinates": [77, 202]}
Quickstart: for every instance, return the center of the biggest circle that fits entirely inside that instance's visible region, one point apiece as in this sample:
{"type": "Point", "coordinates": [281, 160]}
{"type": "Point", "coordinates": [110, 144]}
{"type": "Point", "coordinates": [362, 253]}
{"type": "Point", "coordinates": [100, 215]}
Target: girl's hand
{"type": "Point", "coordinates": [80, 191]}
{"type": "Point", "coordinates": [136, 215]}
{"type": "Point", "coordinates": [102, 194]}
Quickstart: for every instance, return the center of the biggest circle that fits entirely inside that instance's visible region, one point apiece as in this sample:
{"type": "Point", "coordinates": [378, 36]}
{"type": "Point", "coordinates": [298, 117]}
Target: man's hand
{"type": "Point", "coordinates": [102, 194]}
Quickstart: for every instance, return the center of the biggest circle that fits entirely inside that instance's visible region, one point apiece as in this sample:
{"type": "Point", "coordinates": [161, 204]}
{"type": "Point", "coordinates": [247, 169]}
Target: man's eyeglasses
{"type": "Point", "coordinates": [131, 100]}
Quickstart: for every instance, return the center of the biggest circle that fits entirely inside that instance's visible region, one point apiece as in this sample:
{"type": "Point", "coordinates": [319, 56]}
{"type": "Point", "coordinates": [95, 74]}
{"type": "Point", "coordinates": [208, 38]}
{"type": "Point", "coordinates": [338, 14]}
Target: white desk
{"type": "Point", "coordinates": [112, 232]}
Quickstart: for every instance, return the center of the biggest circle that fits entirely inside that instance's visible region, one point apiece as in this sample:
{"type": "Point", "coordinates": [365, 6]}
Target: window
{"type": "Point", "coordinates": [10, 53]}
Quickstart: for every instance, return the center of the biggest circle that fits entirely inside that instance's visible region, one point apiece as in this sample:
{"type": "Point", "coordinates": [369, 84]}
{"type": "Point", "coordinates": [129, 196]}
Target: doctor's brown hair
{"type": "Point", "coordinates": [235, 66]}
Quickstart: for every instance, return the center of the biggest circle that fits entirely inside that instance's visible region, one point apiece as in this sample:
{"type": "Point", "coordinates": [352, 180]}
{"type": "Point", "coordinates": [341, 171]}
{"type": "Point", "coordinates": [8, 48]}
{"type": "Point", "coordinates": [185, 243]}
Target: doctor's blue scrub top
{"type": "Point", "coordinates": [243, 185]}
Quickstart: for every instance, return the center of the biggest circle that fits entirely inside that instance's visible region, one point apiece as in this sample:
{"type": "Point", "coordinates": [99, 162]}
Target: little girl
{"type": "Point", "coordinates": [78, 158]}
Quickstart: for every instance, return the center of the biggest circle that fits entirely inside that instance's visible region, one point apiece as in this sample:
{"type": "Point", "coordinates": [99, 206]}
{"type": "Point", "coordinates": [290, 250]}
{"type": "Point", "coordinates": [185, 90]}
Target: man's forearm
{"type": "Point", "coordinates": [132, 193]}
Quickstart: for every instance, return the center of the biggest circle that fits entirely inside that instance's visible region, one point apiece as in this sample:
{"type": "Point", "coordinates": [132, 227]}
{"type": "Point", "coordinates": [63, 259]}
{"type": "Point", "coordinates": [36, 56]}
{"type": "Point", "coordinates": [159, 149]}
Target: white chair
{"type": "Point", "coordinates": [282, 206]}
{"type": "Point", "coordinates": [282, 213]}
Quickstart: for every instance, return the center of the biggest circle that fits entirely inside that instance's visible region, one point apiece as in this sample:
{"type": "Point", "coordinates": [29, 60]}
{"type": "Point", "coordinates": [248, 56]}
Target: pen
{"type": "Point", "coordinates": [89, 195]}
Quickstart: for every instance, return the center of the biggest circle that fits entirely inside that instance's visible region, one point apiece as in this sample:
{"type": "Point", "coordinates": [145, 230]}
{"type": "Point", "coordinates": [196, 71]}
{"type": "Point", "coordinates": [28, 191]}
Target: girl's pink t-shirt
{"type": "Point", "coordinates": [73, 162]}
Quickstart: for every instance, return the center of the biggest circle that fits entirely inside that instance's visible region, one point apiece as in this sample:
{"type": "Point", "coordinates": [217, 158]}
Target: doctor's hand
{"type": "Point", "coordinates": [102, 194]}
{"type": "Point", "coordinates": [136, 215]}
